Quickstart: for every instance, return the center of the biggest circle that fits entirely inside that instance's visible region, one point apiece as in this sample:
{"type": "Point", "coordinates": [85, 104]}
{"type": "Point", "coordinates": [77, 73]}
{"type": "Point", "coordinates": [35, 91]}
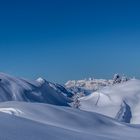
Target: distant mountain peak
{"type": "Point", "coordinates": [41, 80]}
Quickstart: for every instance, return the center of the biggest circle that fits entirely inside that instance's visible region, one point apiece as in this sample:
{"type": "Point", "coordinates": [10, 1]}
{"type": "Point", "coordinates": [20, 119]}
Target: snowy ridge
{"type": "Point", "coordinates": [87, 86]}
{"type": "Point", "coordinates": [117, 101]}
{"type": "Point", "coordinates": [15, 89]}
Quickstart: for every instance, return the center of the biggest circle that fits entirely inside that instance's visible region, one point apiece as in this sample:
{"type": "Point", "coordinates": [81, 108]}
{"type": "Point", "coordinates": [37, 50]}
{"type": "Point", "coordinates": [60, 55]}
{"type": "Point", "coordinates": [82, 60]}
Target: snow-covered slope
{"type": "Point", "coordinates": [120, 101]}
{"type": "Point", "coordinates": [15, 89]}
{"type": "Point", "coordinates": [43, 121]}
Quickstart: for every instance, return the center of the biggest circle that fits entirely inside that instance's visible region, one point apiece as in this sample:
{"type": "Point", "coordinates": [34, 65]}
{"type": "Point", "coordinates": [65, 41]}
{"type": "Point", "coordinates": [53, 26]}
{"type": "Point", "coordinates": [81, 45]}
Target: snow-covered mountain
{"type": "Point", "coordinates": [15, 89]}
{"type": "Point", "coordinates": [120, 101]}
{"type": "Point", "coordinates": [42, 110]}
{"type": "Point", "coordinates": [87, 86]}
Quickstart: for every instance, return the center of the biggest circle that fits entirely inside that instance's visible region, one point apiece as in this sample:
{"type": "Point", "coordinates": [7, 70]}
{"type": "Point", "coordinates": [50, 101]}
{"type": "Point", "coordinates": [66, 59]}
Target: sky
{"type": "Point", "coordinates": [63, 40]}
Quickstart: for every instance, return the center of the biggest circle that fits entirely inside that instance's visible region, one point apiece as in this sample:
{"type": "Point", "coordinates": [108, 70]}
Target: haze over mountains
{"type": "Point", "coordinates": [79, 110]}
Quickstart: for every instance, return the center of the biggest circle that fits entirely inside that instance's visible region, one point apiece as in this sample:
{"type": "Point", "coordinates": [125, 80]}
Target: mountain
{"type": "Point", "coordinates": [87, 86]}
{"type": "Point", "coordinates": [16, 89]}
{"type": "Point", "coordinates": [99, 109]}
{"type": "Point", "coordinates": [120, 101]}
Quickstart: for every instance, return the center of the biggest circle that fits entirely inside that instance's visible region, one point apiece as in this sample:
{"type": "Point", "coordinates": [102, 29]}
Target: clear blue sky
{"type": "Point", "coordinates": [69, 39]}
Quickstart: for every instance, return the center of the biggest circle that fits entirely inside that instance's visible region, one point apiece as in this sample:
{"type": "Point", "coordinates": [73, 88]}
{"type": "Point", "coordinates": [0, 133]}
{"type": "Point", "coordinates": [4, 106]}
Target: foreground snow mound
{"type": "Point", "coordinates": [121, 101]}
{"type": "Point", "coordinates": [43, 121]}
{"type": "Point", "coordinates": [15, 89]}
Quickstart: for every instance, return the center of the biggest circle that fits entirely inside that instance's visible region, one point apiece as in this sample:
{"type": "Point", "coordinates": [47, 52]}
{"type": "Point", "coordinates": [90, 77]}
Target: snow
{"type": "Point", "coordinates": [41, 80]}
{"type": "Point", "coordinates": [40, 110]}
{"type": "Point", "coordinates": [15, 89]}
{"type": "Point", "coordinates": [109, 100]}
{"type": "Point", "coordinates": [87, 86]}
{"type": "Point", "coordinates": [44, 121]}
{"type": "Point", "coordinates": [90, 85]}
{"type": "Point", "coordinates": [10, 110]}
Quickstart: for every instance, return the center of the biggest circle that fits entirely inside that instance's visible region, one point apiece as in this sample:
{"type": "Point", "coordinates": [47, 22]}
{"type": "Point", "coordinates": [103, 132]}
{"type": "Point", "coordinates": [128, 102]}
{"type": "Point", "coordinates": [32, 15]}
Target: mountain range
{"type": "Point", "coordinates": [79, 110]}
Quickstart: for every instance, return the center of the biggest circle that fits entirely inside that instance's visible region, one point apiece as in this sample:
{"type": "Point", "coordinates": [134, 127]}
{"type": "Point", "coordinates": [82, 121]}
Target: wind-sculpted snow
{"type": "Point", "coordinates": [15, 89]}
{"type": "Point", "coordinates": [121, 101]}
{"type": "Point", "coordinates": [43, 121]}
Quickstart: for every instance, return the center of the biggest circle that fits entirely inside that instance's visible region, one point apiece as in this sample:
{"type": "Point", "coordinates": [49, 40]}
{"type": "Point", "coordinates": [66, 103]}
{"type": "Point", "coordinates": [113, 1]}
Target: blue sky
{"type": "Point", "coordinates": [70, 39]}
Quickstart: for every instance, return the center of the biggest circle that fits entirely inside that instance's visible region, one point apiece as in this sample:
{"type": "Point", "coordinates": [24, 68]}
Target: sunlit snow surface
{"type": "Point", "coordinates": [40, 110]}
{"type": "Point", "coordinates": [34, 121]}
{"type": "Point", "coordinates": [121, 98]}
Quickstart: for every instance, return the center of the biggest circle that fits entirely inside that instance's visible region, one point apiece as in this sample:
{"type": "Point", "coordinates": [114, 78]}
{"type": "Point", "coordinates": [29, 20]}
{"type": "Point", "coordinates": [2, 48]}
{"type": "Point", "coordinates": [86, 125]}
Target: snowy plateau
{"type": "Point", "coordinates": [89, 109]}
